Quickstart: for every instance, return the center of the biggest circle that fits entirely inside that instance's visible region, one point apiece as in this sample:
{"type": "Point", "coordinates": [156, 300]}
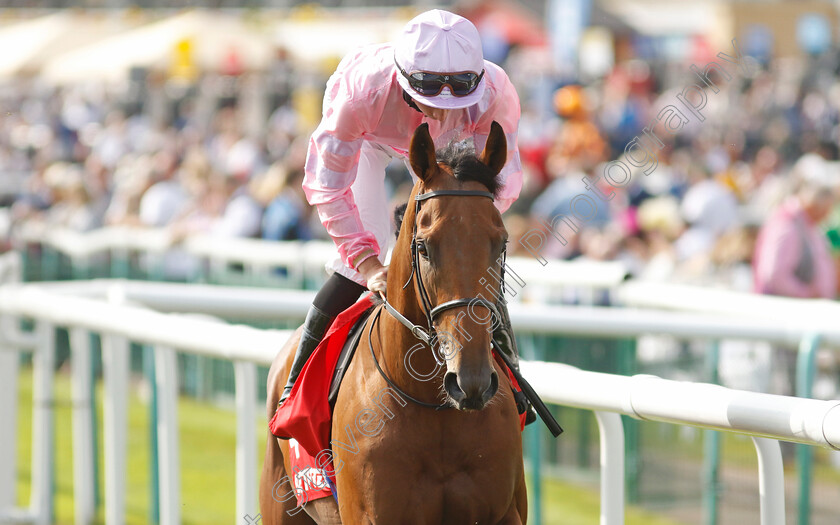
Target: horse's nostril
{"type": "Point", "coordinates": [450, 383]}
{"type": "Point", "coordinates": [492, 388]}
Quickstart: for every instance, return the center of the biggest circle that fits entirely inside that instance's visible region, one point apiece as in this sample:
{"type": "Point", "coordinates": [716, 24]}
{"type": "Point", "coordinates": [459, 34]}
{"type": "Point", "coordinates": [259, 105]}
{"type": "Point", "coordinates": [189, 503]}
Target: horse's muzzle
{"type": "Point", "coordinates": [473, 393]}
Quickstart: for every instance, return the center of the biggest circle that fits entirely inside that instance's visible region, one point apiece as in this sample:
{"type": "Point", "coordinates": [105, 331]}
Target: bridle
{"type": "Point", "coordinates": [428, 334]}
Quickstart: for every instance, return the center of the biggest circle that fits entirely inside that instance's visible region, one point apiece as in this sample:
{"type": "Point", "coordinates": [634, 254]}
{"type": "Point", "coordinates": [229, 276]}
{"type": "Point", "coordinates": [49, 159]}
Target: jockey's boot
{"type": "Point", "coordinates": [316, 325]}
{"type": "Point", "coordinates": [337, 294]}
{"type": "Point", "coordinates": [505, 342]}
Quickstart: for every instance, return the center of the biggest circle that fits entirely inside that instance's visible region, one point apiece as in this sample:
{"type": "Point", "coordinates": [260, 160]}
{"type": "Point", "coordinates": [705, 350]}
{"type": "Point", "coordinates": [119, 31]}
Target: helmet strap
{"type": "Point", "coordinates": [410, 102]}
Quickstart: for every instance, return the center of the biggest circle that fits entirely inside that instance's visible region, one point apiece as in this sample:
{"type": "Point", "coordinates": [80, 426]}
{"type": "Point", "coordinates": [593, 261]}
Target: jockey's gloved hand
{"type": "Point", "coordinates": [375, 273]}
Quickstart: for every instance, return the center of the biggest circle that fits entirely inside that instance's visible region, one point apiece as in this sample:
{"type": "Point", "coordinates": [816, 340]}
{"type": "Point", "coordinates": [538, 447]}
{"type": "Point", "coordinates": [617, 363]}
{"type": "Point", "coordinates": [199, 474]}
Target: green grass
{"type": "Point", "coordinates": [207, 457]}
{"type": "Point", "coordinates": [207, 449]}
{"type": "Point", "coordinates": [737, 451]}
{"type": "Point", "coordinates": [566, 504]}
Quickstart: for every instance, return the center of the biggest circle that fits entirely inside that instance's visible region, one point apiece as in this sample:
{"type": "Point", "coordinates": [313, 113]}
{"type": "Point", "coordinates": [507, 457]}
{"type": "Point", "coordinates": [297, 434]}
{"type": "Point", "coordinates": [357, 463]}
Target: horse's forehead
{"type": "Point", "coordinates": [444, 179]}
{"type": "Point", "coordinates": [435, 214]}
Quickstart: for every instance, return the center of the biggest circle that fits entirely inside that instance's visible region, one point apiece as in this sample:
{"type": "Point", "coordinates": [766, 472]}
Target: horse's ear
{"type": "Point", "coordinates": [421, 153]}
{"type": "Point", "coordinates": [495, 150]}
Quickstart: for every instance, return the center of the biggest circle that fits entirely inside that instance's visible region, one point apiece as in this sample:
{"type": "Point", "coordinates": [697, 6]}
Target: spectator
{"type": "Point", "coordinates": [792, 256]}
{"type": "Point", "coordinates": [167, 198]}
{"type": "Point", "coordinates": [242, 216]}
{"type": "Point", "coordinates": [132, 178]}
{"type": "Point", "coordinates": [285, 205]}
{"type": "Point", "coordinates": [72, 207]}
{"type": "Point", "coordinates": [579, 145]}
{"type": "Point", "coordinates": [709, 209]}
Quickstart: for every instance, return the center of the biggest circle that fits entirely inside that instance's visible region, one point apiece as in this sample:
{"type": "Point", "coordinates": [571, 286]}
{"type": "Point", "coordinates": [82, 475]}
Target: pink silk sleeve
{"type": "Point", "coordinates": [504, 109]}
{"type": "Point", "coordinates": [332, 163]}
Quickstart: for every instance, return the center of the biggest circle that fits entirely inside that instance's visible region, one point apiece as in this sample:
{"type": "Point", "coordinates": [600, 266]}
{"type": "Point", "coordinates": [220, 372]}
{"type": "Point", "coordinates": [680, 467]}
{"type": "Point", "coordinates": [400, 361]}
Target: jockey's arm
{"type": "Point", "coordinates": [332, 163]}
{"type": "Point", "coordinates": [504, 109]}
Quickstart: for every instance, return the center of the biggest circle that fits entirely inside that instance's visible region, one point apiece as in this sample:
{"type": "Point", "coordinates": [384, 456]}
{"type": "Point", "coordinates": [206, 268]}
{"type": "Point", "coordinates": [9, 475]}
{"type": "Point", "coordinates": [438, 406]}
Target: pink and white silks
{"type": "Point", "coordinates": [365, 124]}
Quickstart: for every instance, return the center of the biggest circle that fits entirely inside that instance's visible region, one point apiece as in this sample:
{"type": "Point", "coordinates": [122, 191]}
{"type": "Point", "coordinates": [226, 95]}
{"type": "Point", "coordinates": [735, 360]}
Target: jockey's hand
{"type": "Point", "coordinates": [375, 274]}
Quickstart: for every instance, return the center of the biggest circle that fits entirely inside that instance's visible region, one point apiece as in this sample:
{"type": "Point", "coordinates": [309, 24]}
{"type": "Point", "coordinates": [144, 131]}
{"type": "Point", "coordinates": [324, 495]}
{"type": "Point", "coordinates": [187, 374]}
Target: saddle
{"type": "Point", "coordinates": [347, 353]}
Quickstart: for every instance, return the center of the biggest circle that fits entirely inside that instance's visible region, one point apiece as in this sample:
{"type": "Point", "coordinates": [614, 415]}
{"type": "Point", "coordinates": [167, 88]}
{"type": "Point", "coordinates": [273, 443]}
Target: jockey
{"type": "Point", "coordinates": [434, 73]}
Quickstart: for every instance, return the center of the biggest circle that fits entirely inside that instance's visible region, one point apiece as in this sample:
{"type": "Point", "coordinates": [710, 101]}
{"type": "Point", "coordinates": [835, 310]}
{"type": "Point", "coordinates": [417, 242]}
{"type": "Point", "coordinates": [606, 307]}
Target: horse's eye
{"type": "Point", "coordinates": [421, 249]}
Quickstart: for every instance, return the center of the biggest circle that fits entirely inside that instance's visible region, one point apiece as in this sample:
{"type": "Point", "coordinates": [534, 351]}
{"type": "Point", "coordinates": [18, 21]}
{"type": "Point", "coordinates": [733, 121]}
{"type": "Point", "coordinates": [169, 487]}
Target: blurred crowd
{"type": "Point", "coordinates": [739, 199]}
{"type": "Point", "coordinates": [747, 198]}
{"type": "Point", "coordinates": [87, 158]}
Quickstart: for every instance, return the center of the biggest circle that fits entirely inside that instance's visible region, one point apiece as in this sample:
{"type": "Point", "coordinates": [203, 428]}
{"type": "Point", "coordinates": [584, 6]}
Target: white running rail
{"type": "Point", "coordinates": [105, 308]}
{"type": "Point", "coordinates": [300, 259]}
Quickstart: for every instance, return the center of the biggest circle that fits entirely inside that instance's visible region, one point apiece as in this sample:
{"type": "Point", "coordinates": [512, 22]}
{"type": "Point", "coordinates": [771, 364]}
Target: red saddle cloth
{"type": "Point", "coordinates": [306, 414]}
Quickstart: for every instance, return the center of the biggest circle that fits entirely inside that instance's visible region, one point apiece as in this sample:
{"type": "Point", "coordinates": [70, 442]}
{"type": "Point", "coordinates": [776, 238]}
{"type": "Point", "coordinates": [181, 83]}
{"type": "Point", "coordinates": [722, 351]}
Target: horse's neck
{"type": "Point", "coordinates": [408, 361]}
{"type": "Point", "coordinates": [397, 342]}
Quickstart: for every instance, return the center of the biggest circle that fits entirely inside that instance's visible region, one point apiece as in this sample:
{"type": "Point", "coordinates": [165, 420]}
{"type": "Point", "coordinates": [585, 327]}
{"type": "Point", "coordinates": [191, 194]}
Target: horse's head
{"type": "Point", "coordinates": [456, 238]}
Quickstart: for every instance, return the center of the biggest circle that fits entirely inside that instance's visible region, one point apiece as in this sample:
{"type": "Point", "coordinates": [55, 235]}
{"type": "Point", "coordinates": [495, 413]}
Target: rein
{"type": "Point", "coordinates": [427, 335]}
{"type": "Point", "coordinates": [400, 391]}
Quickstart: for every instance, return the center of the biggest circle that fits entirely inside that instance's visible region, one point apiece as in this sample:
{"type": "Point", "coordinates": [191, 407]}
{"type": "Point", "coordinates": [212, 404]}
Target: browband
{"type": "Point", "coordinates": [466, 193]}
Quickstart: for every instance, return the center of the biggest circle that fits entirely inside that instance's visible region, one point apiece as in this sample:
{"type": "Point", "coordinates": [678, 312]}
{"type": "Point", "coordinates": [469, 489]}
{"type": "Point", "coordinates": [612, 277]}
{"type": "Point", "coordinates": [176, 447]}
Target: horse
{"type": "Point", "coordinates": [444, 444]}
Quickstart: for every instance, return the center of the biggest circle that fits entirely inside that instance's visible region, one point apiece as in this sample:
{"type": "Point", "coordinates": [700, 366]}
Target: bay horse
{"type": "Point", "coordinates": [416, 464]}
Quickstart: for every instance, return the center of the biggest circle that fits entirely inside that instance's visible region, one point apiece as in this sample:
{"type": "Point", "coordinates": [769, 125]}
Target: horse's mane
{"type": "Point", "coordinates": [399, 214]}
{"type": "Point", "coordinates": [462, 160]}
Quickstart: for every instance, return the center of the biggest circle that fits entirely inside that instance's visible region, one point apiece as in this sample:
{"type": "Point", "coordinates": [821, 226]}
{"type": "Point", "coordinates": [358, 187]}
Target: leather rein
{"type": "Point", "coordinates": [427, 334]}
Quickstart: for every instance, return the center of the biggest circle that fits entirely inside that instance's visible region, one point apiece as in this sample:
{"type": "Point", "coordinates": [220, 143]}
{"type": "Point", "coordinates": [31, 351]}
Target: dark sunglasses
{"type": "Point", "coordinates": [431, 84]}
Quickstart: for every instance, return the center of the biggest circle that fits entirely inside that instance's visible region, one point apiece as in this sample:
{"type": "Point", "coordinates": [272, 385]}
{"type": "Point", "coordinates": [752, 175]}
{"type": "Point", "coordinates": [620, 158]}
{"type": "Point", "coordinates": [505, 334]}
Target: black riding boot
{"type": "Point", "coordinates": [316, 325]}
{"type": "Point", "coordinates": [505, 342]}
{"type": "Point", "coordinates": [338, 294]}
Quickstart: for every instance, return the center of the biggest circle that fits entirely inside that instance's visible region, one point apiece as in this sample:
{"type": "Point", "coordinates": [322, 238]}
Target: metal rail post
{"type": "Point", "coordinates": [9, 369]}
{"type": "Point", "coordinates": [83, 445]}
{"type": "Point", "coordinates": [115, 350]}
{"type": "Point", "coordinates": [149, 366]}
{"type": "Point", "coordinates": [711, 449]}
{"type": "Point", "coordinates": [43, 451]}
{"type": "Point", "coordinates": [771, 481]}
{"type": "Point", "coordinates": [806, 364]}
{"type": "Point", "coordinates": [245, 375]}
{"type": "Point", "coordinates": [632, 443]}
{"type": "Point", "coordinates": [612, 467]}
{"type": "Point", "coordinates": [532, 434]}
{"type": "Point", "coordinates": [166, 423]}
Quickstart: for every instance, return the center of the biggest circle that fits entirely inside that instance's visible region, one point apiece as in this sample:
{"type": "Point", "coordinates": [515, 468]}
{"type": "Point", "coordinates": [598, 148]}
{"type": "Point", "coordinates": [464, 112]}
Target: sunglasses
{"type": "Point", "coordinates": [431, 84]}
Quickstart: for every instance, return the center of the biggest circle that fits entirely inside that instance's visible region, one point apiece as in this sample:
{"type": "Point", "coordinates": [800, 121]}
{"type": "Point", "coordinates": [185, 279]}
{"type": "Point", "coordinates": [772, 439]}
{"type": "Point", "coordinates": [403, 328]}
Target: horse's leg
{"type": "Point", "coordinates": [278, 504]}
{"type": "Point", "coordinates": [324, 511]}
{"type": "Point", "coordinates": [277, 499]}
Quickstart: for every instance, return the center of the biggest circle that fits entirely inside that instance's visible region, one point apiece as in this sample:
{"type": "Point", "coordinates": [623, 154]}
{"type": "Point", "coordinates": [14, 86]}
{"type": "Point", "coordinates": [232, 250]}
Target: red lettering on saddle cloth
{"type": "Point", "coordinates": [306, 415]}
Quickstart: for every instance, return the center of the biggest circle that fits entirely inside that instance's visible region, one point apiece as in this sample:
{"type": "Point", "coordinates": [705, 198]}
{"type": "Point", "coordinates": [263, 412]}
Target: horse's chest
{"type": "Point", "coordinates": [444, 470]}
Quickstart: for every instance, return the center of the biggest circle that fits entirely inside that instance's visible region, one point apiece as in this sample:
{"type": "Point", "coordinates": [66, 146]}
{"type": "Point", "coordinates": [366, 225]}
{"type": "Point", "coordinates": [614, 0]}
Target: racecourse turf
{"type": "Point", "coordinates": [207, 449]}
